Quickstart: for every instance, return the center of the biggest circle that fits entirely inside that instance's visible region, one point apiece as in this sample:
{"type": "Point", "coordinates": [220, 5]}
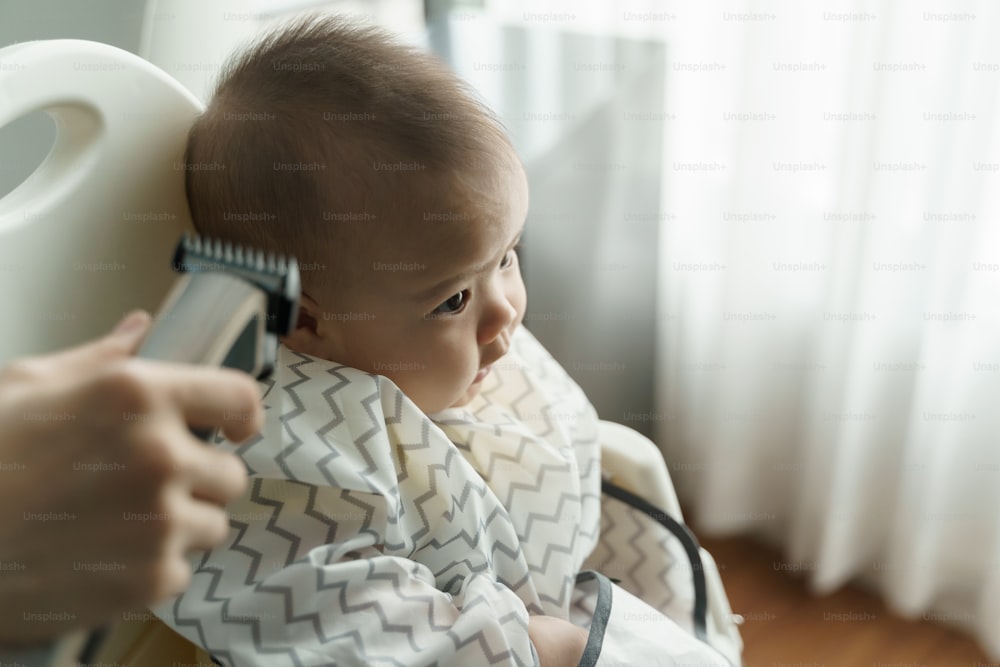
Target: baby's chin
{"type": "Point", "coordinates": [430, 407]}
{"type": "Point", "coordinates": [474, 388]}
{"type": "Point", "coordinates": [467, 397]}
{"type": "Point", "coordinates": [432, 397]}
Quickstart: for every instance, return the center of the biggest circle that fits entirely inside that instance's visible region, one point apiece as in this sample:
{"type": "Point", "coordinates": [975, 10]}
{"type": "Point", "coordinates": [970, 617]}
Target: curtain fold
{"type": "Point", "coordinates": [828, 363]}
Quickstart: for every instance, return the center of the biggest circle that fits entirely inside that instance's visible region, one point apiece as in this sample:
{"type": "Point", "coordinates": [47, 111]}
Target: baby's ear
{"type": "Point", "coordinates": [305, 337]}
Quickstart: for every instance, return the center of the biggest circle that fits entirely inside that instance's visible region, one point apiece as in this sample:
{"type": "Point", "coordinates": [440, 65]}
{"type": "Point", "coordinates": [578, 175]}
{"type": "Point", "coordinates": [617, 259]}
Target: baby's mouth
{"type": "Point", "coordinates": [481, 375]}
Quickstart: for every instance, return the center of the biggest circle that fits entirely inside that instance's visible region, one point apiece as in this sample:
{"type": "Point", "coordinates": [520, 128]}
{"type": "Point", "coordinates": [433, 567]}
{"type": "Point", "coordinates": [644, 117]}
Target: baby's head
{"type": "Point", "coordinates": [398, 192]}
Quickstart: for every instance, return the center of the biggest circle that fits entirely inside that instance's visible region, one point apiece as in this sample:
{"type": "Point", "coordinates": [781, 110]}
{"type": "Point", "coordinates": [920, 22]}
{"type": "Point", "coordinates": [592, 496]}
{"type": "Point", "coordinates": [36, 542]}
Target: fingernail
{"type": "Point", "coordinates": [130, 323]}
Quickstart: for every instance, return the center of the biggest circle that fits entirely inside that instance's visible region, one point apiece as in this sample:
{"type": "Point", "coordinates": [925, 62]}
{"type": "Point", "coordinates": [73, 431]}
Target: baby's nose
{"type": "Point", "coordinates": [497, 319]}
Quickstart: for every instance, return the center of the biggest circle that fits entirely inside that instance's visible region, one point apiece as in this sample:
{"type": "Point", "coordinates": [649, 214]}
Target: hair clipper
{"type": "Point", "coordinates": [227, 309]}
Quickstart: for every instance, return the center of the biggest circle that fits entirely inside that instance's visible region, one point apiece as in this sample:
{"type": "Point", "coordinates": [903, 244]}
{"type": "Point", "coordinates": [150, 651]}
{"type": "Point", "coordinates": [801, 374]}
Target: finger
{"type": "Point", "coordinates": [203, 525]}
{"type": "Point", "coordinates": [212, 398]}
{"type": "Point", "coordinates": [122, 342]}
{"type": "Point", "coordinates": [171, 578]}
{"type": "Point", "coordinates": [228, 400]}
{"type": "Point", "coordinates": [130, 331]}
{"type": "Point", "coordinates": [215, 475]}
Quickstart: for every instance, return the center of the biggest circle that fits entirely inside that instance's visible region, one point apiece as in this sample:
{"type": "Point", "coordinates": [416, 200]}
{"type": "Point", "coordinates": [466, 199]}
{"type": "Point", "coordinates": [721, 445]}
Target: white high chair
{"type": "Point", "coordinates": [89, 235]}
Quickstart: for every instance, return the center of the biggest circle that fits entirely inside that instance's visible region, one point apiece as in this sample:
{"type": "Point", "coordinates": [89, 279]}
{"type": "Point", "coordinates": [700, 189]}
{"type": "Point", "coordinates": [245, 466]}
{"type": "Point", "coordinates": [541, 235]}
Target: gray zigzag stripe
{"type": "Point", "coordinates": [496, 456]}
{"type": "Point", "coordinates": [210, 595]}
{"type": "Point", "coordinates": [607, 526]}
{"type": "Point", "coordinates": [269, 383]}
{"type": "Point", "coordinates": [297, 597]}
{"type": "Point", "coordinates": [523, 396]}
{"type": "Point", "coordinates": [276, 506]}
{"type": "Point", "coordinates": [325, 463]}
{"type": "Point", "coordinates": [396, 417]}
{"type": "Point", "coordinates": [512, 553]}
{"type": "Point", "coordinates": [376, 424]}
{"type": "Point", "coordinates": [591, 497]}
{"type": "Point", "coordinates": [369, 510]}
{"type": "Point", "coordinates": [480, 490]}
{"type": "Point", "coordinates": [404, 471]}
{"type": "Point", "coordinates": [338, 419]}
{"type": "Point", "coordinates": [656, 589]}
{"type": "Point", "coordinates": [194, 623]}
{"type": "Point", "coordinates": [288, 416]}
{"type": "Point", "coordinates": [290, 617]}
{"type": "Point", "coordinates": [311, 511]}
{"type": "Point", "coordinates": [313, 618]}
{"type": "Point", "coordinates": [564, 498]}
{"type": "Point", "coordinates": [546, 413]}
{"type": "Point", "coordinates": [338, 415]}
{"type": "Point", "coordinates": [633, 541]}
{"type": "Point", "coordinates": [524, 487]}
{"type": "Point", "coordinates": [379, 610]}
{"type": "Point", "coordinates": [253, 623]}
{"type": "Point", "coordinates": [480, 639]}
{"type": "Point", "coordinates": [429, 495]}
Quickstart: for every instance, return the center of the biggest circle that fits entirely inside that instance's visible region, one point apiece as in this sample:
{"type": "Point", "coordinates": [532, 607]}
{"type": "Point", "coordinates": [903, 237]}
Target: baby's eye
{"type": "Point", "coordinates": [453, 305]}
{"type": "Point", "coordinates": [509, 258]}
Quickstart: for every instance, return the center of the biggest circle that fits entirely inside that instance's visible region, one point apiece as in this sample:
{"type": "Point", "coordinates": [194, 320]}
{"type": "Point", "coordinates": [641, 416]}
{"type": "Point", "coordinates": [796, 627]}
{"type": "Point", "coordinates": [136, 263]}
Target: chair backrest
{"type": "Point", "coordinates": [88, 235]}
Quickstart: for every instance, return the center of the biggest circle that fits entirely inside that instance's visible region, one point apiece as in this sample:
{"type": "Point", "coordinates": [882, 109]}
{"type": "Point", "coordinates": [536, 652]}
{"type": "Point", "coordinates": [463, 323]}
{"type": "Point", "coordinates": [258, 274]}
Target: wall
{"type": "Point", "coordinates": [24, 142]}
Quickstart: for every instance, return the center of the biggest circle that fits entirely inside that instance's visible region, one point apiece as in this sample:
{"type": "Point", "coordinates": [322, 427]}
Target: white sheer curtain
{"type": "Point", "coordinates": [568, 85]}
{"type": "Point", "coordinates": [827, 307]}
{"type": "Point", "coordinates": [829, 355]}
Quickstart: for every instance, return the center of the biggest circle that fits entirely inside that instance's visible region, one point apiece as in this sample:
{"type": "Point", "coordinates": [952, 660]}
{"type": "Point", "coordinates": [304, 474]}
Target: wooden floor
{"type": "Point", "coordinates": [786, 626]}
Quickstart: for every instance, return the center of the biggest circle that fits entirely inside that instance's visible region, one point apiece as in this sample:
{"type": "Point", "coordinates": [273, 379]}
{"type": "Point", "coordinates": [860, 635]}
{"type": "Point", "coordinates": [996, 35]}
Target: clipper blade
{"type": "Point", "coordinates": [277, 276]}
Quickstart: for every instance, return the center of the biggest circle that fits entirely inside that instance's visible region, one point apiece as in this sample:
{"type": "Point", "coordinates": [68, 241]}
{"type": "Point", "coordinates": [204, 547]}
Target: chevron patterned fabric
{"type": "Point", "coordinates": [373, 534]}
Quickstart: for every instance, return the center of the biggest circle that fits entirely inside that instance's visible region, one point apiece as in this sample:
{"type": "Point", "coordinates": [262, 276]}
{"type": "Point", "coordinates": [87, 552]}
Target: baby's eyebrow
{"type": "Point", "coordinates": [461, 276]}
{"type": "Point", "coordinates": [465, 274]}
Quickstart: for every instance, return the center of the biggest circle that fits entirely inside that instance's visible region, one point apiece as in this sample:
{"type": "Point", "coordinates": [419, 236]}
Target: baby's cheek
{"type": "Point", "coordinates": [520, 300]}
{"type": "Point", "coordinates": [428, 389]}
{"type": "Point", "coordinates": [470, 394]}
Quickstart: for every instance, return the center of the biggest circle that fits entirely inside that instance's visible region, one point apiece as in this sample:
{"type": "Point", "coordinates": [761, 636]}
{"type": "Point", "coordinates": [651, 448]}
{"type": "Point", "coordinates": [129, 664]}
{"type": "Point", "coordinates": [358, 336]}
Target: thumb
{"type": "Point", "coordinates": [129, 332]}
{"type": "Point", "coordinates": [121, 342]}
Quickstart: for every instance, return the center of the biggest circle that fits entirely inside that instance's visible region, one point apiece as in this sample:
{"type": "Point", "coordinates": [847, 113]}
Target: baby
{"type": "Point", "coordinates": [442, 515]}
{"type": "Point", "coordinates": [400, 195]}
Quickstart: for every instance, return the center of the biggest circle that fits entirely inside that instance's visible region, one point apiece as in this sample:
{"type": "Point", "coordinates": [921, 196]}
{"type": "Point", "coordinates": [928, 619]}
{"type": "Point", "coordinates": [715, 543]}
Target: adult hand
{"type": "Point", "coordinates": [103, 487]}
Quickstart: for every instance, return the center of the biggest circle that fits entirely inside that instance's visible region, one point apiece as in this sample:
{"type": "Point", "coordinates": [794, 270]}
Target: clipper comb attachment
{"type": "Point", "coordinates": [228, 308]}
{"type": "Point", "coordinates": [277, 276]}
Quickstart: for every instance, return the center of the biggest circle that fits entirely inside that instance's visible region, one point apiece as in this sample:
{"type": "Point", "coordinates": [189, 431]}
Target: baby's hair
{"type": "Point", "coordinates": [322, 127]}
